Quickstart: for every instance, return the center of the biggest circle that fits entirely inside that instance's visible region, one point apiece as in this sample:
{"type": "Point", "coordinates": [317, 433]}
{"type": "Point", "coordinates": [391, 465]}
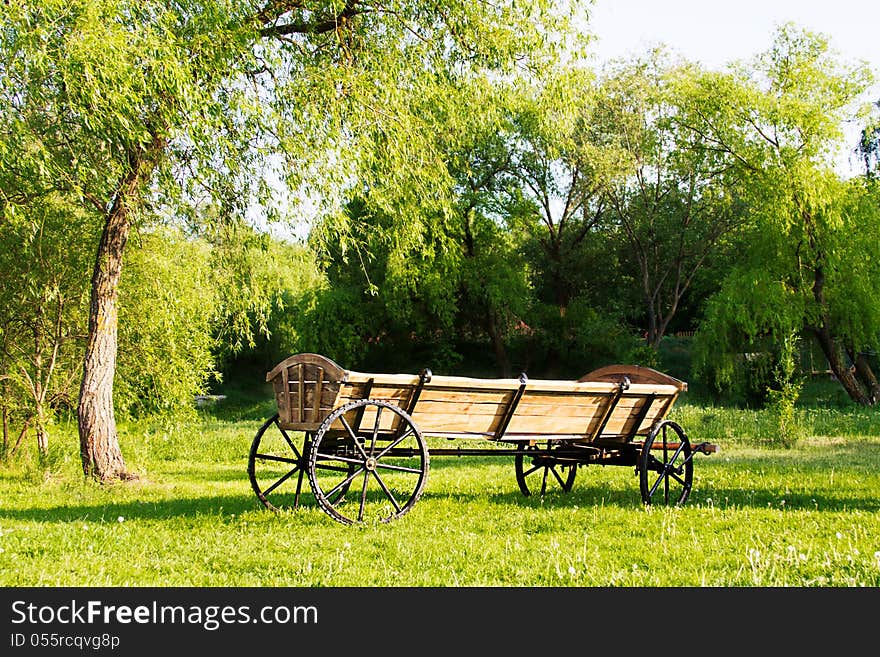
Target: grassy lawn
{"type": "Point", "coordinates": [758, 516]}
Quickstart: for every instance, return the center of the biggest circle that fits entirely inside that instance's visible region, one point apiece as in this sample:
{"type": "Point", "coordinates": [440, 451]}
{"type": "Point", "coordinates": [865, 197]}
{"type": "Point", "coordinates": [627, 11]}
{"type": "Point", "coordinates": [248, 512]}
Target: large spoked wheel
{"type": "Point", "coordinates": [368, 462]}
{"type": "Point", "coordinates": [666, 466]}
{"type": "Point", "coordinates": [276, 466]}
{"type": "Point", "coordinates": [538, 468]}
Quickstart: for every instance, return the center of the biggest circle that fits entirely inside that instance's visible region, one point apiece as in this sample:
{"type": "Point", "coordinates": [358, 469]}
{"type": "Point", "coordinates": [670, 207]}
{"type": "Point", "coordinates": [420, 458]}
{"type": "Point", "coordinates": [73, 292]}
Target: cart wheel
{"type": "Point", "coordinates": [674, 467]}
{"type": "Point", "coordinates": [385, 463]}
{"type": "Point", "coordinates": [541, 464]}
{"type": "Point", "coordinates": [276, 466]}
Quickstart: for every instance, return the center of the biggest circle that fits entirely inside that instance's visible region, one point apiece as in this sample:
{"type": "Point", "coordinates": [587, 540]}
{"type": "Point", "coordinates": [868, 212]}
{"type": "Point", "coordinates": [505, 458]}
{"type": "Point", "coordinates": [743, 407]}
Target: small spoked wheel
{"type": "Point", "coordinates": [368, 462]}
{"type": "Point", "coordinates": [539, 469]}
{"type": "Point", "coordinates": [276, 466]}
{"type": "Point", "coordinates": [666, 466]}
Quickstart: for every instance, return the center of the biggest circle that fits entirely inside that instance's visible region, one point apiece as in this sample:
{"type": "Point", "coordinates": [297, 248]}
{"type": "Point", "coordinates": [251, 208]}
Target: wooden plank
{"type": "Point", "coordinates": [552, 424]}
{"type": "Point", "coordinates": [457, 421]}
{"type": "Point", "coordinates": [332, 371]}
{"type": "Point", "coordinates": [481, 402]}
{"type": "Point", "coordinates": [316, 403]}
{"type": "Point", "coordinates": [522, 410]}
{"type": "Point", "coordinates": [300, 388]}
{"type": "Point", "coordinates": [472, 385]}
{"type": "Point", "coordinates": [635, 374]}
{"type": "Point", "coordinates": [328, 394]}
{"type": "Point", "coordinates": [288, 414]}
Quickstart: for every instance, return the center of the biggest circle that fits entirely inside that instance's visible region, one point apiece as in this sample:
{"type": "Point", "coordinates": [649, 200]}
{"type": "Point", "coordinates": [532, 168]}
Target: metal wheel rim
{"type": "Point", "coordinates": [675, 478]}
{"type": "Point", "coordinates": [371, 465]}
{"type": "Point", "coordinates": [564, 482]}
{"type": "Point", "coordinates": [279, 488]}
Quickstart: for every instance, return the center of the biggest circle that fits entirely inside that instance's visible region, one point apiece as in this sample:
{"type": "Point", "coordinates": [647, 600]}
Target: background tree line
{"type": "Point", "coordinates": [482, 202]}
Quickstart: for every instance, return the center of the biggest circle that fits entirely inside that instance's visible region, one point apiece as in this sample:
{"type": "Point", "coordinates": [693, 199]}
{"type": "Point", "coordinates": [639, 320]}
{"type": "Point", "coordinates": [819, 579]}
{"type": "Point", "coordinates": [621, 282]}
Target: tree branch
{"type": "Point", "coordinates": [319, 26]}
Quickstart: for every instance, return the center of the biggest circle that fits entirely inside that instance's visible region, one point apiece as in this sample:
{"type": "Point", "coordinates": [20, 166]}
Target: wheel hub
{"type": "Point", "coordinates": [370, 464]}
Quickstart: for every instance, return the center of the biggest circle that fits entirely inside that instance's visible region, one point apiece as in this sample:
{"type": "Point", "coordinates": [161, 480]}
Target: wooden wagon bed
{"type": "Point", "coordinates": [358, 425]}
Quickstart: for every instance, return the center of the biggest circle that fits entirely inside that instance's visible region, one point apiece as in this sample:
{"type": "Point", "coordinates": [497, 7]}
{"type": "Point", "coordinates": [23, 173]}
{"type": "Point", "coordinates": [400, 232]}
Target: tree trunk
{"type": "Point", "coordinates": [5, 448]}
{"type": "Point", "coordinates": [832, 350]}
{"type": "Point", "coordinates": [841, 370]}
{"type": "Point", "coordinates": [498, 346]}
{"type": "Point", "coordinates": [652, 335]}
{"type": "Point", "coordinates": [39, 396]}
{"type": "Point", "coordinates": [99, 442]}
{"type": "Point", "coordinates": [866, 375]}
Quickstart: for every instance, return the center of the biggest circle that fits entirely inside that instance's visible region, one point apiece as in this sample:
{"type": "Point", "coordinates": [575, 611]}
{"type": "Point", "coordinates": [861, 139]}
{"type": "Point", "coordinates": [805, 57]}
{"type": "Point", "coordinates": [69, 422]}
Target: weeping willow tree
{"type": "Point", "coordinates": [142, 108]}
{"type": "Point", "coordinates": [809, 252]}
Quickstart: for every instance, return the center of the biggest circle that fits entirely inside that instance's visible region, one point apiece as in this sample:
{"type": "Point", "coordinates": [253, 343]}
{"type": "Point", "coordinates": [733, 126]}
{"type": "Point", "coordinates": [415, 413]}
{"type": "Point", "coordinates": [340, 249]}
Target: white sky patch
{"type": "Point", "coordinates": [715, 33]}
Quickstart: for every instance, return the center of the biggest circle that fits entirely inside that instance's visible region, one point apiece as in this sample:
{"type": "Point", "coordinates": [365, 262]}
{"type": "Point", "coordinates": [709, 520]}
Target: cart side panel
{"type": "Point", "coordinates": [635, 374]}
{"type": "Point", "coordinates": [634, 416]}
{"type": "Point", "coordinates": [306, 389]}
{"type": "Point", "coordinates": [437, 409]}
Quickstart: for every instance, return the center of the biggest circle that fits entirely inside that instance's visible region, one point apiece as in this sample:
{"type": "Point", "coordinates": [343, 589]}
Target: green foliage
{"type": "Point", "coordinates": [781, 400]}
{"type": "Point", "coordinates": [802, 266]}
{"type": "Point", "coordinates": [44, 265]}
{"type": "Point", "coordinates": [670, 203]}
{"type": "Point", "coordinates": [167, 359]}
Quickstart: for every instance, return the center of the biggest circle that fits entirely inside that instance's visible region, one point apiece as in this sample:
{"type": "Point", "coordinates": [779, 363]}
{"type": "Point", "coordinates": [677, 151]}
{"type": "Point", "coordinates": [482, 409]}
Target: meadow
{"type": "Point", "coordinates": [759, 515]}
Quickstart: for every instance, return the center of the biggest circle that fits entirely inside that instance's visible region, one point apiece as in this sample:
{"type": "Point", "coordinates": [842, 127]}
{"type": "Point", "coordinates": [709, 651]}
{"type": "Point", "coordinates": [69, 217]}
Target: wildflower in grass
{"type": "Point", "coordinates": [839, 535]}
{"type": "Point", "coordinates": [120, 519]}
{"type": "Point", "coordinates": [573, 572]}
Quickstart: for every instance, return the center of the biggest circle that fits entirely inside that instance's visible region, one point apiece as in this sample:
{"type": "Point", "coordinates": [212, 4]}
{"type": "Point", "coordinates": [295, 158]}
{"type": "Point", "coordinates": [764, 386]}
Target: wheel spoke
{"type": "Point", "coordinates": [280, 459]}
{"type": "Point", "coordinates": [397, 507]}
{"type": "Point", "coordinates": [360, 448]}
{"type": "Point", "coordinates": [363, 497]}
{"type": "Point", "coordinates": [280, 481]}
{"type": "Point", "coordinates": [287, 438]}
{"type": "Point", "coordinates": [396, 442]}
{"type": "Point", "coordinates": [299, 483]}
{"type": "Point", "coordinates": [676, 477]}
{"type": "Point", "coordinates": [344, 482]}
{"type": "Point", "coordinates": [558, 478]}
{"type": "Point", "coordinates": [349, 429]}
{"type": "Point", "coordinates": [676, 453]}
{"type": "Point", "coordinates": [544, 481]}
{"type": "Point", "coordinates": [531, 470]}
{"type": "Point", "coordinates": [656, 485]}
{"type": "Point", "coordinates": [344, 459]}
{"type": "Point", "coordinates": [375, 430]}
{"type": "Point", "coordinates": [398, 468]}
{"type": "Point", "coordinates": [332, 468]}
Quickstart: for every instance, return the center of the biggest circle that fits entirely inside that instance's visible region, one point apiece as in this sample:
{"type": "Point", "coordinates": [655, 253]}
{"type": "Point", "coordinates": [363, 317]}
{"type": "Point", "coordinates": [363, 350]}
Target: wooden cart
{"type": "Point", "coordinates": [363, 444]}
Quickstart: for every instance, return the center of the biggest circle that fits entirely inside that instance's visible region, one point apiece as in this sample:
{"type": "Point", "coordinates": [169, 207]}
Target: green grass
{"type": "Point", "coordinates": [759, 515]}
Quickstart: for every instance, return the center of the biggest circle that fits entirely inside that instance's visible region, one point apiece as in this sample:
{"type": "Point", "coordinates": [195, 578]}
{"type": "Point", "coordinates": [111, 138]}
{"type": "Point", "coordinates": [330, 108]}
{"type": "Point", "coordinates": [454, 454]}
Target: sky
{"type": "Point", "coordinates": [715, 32]}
